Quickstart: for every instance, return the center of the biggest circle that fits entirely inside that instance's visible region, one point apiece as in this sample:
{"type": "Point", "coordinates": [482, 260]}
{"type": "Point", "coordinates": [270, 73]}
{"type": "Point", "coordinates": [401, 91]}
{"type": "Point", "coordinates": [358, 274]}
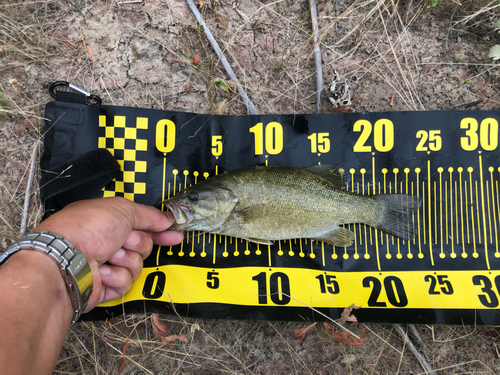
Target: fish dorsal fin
{"type": "Point", "coordinates": [340, 237]}
{"type": "Point", "coordinates": [330, 172]}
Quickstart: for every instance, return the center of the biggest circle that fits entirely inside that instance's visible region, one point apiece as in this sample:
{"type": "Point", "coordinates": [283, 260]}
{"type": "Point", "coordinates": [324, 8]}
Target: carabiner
{"type": "Point", "coordinates": [88, 95]}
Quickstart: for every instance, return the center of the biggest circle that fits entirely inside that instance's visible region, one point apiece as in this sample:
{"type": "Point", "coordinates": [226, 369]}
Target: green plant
{"type": "Point", "coordinates": [432, 3]}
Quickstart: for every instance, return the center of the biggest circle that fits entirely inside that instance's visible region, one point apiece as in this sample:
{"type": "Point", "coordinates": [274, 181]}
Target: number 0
{"type": "Point", "coordinates": [165, 136]}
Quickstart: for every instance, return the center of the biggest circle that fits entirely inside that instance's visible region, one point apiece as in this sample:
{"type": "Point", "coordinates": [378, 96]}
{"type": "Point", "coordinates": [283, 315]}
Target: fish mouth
{"type": "Point", "coordinates": [182, 214]}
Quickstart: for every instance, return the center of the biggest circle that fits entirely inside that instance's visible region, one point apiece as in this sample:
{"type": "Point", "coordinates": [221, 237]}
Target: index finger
{"type": "Point", "coordinates": [147, 218]}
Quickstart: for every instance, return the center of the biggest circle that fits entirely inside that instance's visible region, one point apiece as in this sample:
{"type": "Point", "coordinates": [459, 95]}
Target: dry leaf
{"type": "Point", "coordinates": [221, 21]}
{"type": "Point", "coordinates": [171, 338]}
{"type": "Point", "coordinates": [196, 59]}
{"type": "Point", "coordinates": [232, 112]}
{"type": "Point", "coordinates": [344, 317]}
{"type": "Point", "coordinates": [188, 86]}
{"type": "Point", "coordinates": [122, 364]}
{"type": "Point", "coordinates": [176, 60]}
{"type": "Point", "coordinates": [89, 50]}
{"type": "Point", "coordinates": [328, 327]}
{"type": "Point", "coordinates": [340, 109]}
{"type": "Point", "coordinates": [300, 333]}
{"type": "Point", "coordinates": [231, 84]}
{"type": "Point", "coordinates": [259, 26]}
{"type": "Point", "coordinates": [391, 103]}
{"type": "Point", "coordinates": [159, 328]}
{"type": "Point", "coordinates": [161, 332]}
{"type": "Point", "coordinates": [343, 337]}
{"type": "Point", "coordinates": [221, 107]}
{"type": "Point", "coordinates": [202, 3]}
{"type": "Point", "coordinates": [352, 319]}
{"type": "Point", "coordinates": [106, 339]}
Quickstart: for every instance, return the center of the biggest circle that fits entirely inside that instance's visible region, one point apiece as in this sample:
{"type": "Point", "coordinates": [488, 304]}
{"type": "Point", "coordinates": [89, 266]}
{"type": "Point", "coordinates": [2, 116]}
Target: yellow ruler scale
{"type": "Point", "coordinates": [320, 289]}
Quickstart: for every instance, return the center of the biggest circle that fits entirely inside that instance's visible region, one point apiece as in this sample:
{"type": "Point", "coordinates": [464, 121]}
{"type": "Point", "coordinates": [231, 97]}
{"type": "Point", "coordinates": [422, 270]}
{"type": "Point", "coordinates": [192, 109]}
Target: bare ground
{"type": "Point", "coordinates": [396, 55]}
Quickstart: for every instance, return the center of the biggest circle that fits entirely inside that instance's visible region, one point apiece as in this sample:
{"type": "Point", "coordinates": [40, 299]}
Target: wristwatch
{"type": "Point", "coordinates": [74, 267]}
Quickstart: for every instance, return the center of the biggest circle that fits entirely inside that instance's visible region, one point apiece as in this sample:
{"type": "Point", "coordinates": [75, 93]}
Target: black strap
{"type": "Point", "coordinates": [70, 97]}
{"type": "Point", "coordinates": [81, 178]}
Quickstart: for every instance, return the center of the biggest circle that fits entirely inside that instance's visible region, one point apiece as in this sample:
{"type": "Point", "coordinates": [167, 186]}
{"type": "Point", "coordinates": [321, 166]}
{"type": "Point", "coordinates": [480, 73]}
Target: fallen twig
{"type": "Point", "coordinates": [69, 41]}
{"type": "Point", "coordinates": [317, 56]}
{"type": "Point", "coordinates": [27, 194]}
{"type": "Point", "coordinates": [250, 107]}
{"type": "Point", "coordinates": [423, 361]}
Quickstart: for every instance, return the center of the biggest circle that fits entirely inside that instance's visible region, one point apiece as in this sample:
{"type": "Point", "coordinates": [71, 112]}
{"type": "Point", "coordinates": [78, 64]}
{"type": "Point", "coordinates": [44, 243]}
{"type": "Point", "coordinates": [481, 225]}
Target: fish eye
{"type": "Point", "coordinates": [193, 198]}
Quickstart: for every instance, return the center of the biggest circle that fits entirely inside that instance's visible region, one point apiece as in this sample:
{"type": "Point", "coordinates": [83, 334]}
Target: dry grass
{"type": "Point", "coordinates": [404, 56]}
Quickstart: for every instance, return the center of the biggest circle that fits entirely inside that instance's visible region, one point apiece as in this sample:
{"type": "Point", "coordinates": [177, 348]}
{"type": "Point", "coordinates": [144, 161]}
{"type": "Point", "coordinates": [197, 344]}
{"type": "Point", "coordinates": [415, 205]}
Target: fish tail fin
{"type": "Point", "coordinates": [397, 217]}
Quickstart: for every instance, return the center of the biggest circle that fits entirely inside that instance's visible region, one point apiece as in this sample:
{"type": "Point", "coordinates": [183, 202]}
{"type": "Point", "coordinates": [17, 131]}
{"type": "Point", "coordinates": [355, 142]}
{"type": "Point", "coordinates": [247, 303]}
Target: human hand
{"type": "Point", "coordinates": [115, 231]}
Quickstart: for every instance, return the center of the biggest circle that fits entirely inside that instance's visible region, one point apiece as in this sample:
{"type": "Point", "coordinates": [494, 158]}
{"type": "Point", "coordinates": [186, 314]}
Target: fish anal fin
{"type": "Point", "coordinates": [259, 241]}
{"type": "Point", "coordinates": [340, 237]}
{"type": "Point", "coordinates": [330, 172]}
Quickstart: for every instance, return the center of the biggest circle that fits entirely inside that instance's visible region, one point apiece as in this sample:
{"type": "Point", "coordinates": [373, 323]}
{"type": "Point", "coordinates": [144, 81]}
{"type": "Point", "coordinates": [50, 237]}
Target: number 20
{"type": "Point", "coordinates": [383, 135]}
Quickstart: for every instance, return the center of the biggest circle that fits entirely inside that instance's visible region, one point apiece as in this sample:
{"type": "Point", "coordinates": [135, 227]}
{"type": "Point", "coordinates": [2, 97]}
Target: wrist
{"type": "Point", "coordinates": [72, 264]}
{"type": "Point", "coordinates": [36, 271]}
{"type": "Point", "coordinates": [36, 313]}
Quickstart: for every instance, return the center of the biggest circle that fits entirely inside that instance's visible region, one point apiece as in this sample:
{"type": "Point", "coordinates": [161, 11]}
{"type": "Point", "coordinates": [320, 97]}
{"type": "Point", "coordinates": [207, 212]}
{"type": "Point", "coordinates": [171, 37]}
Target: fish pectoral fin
{"type": "Point", "coordinates": [251, 212]}
{"type": "Point", "coordinates": [260, 241]}
{"type": "Point", "coordinates": [340, 237]}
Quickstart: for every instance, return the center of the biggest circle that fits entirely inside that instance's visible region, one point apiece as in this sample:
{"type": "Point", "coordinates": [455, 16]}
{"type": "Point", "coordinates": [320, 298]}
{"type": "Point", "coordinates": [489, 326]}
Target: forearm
{"type": "Point", "coordinates": [35, 313]}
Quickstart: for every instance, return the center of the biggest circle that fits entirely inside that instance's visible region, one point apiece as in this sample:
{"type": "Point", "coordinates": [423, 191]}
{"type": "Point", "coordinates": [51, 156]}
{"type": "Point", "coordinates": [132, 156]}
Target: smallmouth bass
{"type": "Point", "coordinates": [265, 204]}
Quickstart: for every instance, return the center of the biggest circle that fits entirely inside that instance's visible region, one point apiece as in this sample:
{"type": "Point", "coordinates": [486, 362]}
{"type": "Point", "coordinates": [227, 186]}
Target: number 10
{"type": "Point", "coordinates": [273, 138]}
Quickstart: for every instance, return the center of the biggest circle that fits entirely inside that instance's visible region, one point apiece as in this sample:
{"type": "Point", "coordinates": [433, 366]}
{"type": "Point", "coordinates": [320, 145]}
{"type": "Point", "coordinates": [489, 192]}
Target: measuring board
{"type": "Point", "coordinates": [449, 273]}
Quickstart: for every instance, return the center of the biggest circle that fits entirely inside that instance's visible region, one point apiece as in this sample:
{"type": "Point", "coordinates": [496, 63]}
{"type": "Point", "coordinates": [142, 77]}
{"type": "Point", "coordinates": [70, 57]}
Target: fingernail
{"type": "Point", "coordinates": [105, 270]}
{"type": "Point", "coordinates": [170, 216]}
{"type": "Point", "coordinates": [133, 238]}
{"type": "Point", "coordinates": [119, 254]}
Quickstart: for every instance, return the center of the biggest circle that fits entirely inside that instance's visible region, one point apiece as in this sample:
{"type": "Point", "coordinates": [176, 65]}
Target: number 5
{"type": "Point", "coordinates": [217, 145]}
{"type": "Point", "coordinates": [212, 280]}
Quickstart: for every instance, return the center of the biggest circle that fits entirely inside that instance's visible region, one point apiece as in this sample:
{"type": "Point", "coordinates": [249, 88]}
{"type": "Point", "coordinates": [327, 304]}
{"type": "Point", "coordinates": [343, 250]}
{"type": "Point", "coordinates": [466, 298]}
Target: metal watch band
{"type": "Point", "coordinates": [72, 263]}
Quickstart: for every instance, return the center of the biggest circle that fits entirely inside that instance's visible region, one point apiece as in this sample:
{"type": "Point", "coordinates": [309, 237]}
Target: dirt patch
{"type": "Point", "coordinates": [394, 55]}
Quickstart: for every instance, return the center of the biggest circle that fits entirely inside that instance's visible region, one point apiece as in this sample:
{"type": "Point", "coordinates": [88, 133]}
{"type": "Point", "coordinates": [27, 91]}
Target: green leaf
{"type": "Point", "coordinates": [494, 52]}
{"type": "Point", "coordinates": [220, 83]}
{"type": "Point", "coordinates": [433, 3]}
{"type": "Point", "coordinates": [194, 328]}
